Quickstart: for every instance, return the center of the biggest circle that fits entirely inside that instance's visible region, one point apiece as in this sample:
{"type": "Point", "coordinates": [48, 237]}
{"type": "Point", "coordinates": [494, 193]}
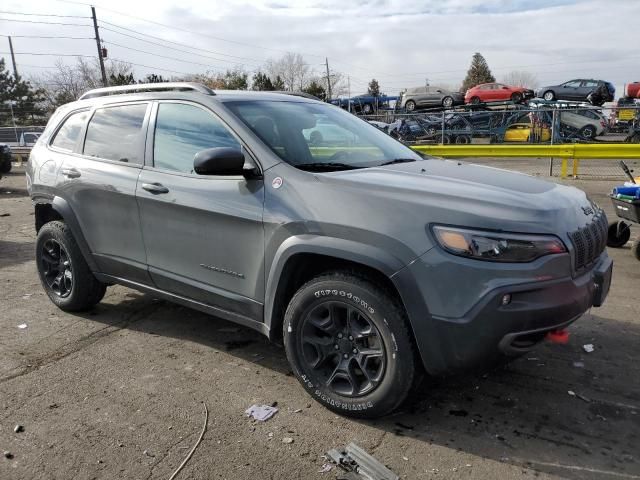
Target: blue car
{"type": "Point", "coordinates": [366, 104]}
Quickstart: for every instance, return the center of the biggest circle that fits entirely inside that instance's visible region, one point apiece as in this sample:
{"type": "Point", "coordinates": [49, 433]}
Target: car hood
{"type": "Point", "coordinates": [465, 194]}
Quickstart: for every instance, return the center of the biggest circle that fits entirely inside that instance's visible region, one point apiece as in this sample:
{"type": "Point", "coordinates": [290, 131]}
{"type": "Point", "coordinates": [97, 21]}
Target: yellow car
{"type": "Point", "coordinates": [522, 132]}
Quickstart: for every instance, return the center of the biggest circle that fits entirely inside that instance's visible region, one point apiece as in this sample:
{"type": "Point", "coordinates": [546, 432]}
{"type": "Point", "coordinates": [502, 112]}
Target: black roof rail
{"type": "Point", "coordinates": [148, 87]}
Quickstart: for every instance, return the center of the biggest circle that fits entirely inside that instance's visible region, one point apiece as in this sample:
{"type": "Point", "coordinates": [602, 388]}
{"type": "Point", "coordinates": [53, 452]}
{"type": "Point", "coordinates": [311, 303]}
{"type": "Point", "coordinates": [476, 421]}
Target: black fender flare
{"type": "Point", "coordinates": [339, 248]}
{"type": "Point", "coordinates": [61, 206]}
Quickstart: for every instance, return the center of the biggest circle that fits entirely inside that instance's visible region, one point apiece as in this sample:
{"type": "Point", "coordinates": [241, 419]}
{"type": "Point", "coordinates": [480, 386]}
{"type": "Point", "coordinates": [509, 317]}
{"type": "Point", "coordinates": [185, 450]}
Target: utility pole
{"type": "Point", "coordinates": [13, 59]}
{"type": "Point", "coordinates": [105, 83]}
{"type": "Point", "coordinates": [349, 92]}
{"type": "Point", "coordinates": [328, 79]}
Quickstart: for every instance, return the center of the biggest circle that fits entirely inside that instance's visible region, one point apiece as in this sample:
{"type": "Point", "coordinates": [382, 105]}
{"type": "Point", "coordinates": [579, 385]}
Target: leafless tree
{"type": "Point", "coordinates": [521, 78]}
{"type": "Point", "coordinates": [67, 82]}
{"type": "Point", "coordinates": [293, 70]}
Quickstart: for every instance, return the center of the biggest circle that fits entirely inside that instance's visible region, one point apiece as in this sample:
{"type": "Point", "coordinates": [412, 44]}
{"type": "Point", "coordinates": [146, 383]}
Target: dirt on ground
{"type": "Point", "coordinates": [119, 392]}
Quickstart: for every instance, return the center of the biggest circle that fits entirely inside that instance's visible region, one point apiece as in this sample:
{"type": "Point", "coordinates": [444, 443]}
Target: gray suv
{"type": "Point", "coordinates": [370, 263]}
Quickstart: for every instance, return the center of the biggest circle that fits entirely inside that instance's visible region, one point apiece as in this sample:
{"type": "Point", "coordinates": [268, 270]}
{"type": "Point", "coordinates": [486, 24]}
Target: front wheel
{"type": "Point", "coordinates": [635, 248]}
{"type": "Point", "coordinates": [63, 271]}
{"type": "Point", "coordinates": [549, 95]}
{"type": "Point", "coordinates": [618, 234]}
{"type": "Point", "coordinates": [5, 165]}
{"type": "Point", "coordinates": [410, 106]}
{"type": "Point", "coordinates": [447, 102]}
{"type": "Point", "coordinates": [367, 109]}
{"type": "Point", "coordinates": [516, 97]}
{"type": "Point", "coordinates": [349, 345]}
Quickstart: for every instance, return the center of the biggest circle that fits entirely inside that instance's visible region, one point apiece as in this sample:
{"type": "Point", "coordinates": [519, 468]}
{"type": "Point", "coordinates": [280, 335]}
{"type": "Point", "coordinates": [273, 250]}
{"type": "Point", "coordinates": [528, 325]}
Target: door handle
{"type": "Point", "coordinates": [70, 172]}
{"type": "Point", "coordinates": [155, 188]}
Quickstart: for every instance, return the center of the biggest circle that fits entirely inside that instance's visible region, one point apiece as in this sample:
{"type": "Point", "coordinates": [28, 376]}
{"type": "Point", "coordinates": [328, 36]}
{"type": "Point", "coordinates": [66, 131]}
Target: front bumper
{"type": "Point", "coordinates": [490, 330]}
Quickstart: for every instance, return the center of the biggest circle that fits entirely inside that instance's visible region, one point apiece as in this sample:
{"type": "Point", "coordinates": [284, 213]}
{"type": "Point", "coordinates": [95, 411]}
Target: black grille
{"type": "Point", "coordinates": [589, 241]}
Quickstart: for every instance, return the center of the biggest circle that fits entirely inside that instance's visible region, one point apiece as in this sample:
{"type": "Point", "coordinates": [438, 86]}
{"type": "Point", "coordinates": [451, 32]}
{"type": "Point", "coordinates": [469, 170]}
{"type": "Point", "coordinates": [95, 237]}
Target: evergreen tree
{"type": "Point", "coordinates": [153, 78]}
{"type": "Point", "coordinates": [236, 80]}
{"type": "Point", "coordinates": [261, 82]}
{"type": "Point", "coordinates": [278, 83]}
{"type": "Point", "coordinates": [374, 88]}
{"type": "Point", "coordinates": [121, 79]}
{"type": "Point", "coordinates": [478, 73]}
{"type": "Point", "coordinates": [25, 100]}
{"type": "Point", "coordinates": [315, 89]}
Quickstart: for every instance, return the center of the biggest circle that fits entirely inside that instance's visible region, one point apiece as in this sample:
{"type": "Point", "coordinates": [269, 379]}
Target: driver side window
{"type": "Point", "coordinates": [183, 130]}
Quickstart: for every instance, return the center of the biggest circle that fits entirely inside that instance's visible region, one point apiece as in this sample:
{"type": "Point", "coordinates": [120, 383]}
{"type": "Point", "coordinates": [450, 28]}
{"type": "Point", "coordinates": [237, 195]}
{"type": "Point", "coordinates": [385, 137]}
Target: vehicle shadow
{"type": "Point", "coordinates": [522, 413]}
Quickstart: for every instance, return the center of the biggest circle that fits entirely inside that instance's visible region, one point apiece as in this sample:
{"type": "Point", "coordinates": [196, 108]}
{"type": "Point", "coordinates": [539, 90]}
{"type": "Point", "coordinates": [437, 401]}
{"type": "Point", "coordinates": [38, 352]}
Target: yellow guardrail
{"type": "Point", "coordinates": [574, 151]}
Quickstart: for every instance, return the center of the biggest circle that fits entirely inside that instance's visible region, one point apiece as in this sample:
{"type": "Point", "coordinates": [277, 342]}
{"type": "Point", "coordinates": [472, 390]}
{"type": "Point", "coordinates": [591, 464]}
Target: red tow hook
{"type": "Point", "coordinates": [558, 336]}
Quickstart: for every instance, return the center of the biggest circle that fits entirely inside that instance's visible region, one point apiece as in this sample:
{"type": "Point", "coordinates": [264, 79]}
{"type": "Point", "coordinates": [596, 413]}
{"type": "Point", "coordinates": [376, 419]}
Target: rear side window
{"type": "Point", "coordinates": [115, 133]}
{"type": "Point", "coordinates": [68, 134]}
{"type": "Point", "coordinates": [184, 130]}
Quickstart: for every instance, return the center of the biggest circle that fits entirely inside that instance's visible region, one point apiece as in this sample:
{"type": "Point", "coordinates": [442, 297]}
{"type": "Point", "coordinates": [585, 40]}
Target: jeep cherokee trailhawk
{"type": "Point", "coordinates": [369, 262]}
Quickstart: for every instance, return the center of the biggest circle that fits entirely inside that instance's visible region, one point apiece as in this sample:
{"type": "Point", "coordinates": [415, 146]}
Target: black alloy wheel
{"type": "Point", "coordinates": [343, 348]}
{"type": "Point", "coordinates": [57, 270]}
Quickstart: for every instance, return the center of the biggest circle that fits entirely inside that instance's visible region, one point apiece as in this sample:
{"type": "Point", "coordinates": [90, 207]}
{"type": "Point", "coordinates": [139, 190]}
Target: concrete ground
{"type": "Point", "coordinates": [118, 392]}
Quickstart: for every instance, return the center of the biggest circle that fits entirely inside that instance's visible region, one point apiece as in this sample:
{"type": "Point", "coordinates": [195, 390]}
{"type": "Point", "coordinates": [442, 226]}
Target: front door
{"type": "Point", "coordinates": [203, 234]}
{"type": "Point", "coordinates": [99, 179]}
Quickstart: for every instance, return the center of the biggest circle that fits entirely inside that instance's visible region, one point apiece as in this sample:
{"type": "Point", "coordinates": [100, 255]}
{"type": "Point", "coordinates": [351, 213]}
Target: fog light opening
{"type": "Point", "coordinates": [506, 299]}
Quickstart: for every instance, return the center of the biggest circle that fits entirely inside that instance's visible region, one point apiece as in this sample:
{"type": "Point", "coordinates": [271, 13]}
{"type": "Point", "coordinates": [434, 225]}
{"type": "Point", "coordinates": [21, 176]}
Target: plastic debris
{"type": "Point", "coordinates": [355, 460]}
{"type": "Point", "coordinates": [577, 395]}
{"type": "Point", "coordinates": [325, 468]}
{"type": "Point", "coordinates": [578, 364]}
{"type": "Point", "coordinates": [22, 326]}
{"type": "Point", "coordinates": [147, 453]}
{"type": "Point", "coordinates": [261, 413]}
{"type": "Point", "coordinates": [287, 440]}
{"type": "Point", "coordinates": [18, 429]}
{"type": "Point", "coordinates": [588, 347]}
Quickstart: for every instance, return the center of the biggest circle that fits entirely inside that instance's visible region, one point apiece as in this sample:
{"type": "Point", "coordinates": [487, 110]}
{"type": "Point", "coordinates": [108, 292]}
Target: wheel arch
{"type": "Point", "coordinates": [303, 257]}
{"type": "Point", "coordinates": [59, 209]}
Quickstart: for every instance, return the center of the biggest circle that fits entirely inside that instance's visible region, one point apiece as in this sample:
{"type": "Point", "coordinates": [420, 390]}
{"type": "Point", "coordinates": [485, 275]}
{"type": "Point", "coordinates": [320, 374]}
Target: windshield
{"type": "Point", "coordinates": [313, 136]}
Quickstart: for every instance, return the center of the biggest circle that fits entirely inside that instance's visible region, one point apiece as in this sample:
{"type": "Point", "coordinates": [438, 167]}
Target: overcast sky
{"type": "Point", "coordinates": [401, 43]}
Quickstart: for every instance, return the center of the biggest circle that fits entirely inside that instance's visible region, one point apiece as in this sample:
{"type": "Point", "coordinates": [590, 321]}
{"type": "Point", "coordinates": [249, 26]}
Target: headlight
{"type": "Point", "coordinates": [497, 247]}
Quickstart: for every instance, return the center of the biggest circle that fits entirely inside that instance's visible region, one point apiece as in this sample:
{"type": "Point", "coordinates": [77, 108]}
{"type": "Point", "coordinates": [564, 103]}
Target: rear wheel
{"type": "Point", "coordinates": [475, 100]}
{"type": "Point", "coordinates": [618, 234]}
{"type": "Point", "coordinates": [588, 132]}
{"type": "Point", "coordinates": [463, 139]}
{"type": "Point", "coordinates": [63, 271]}
{"type": "Point", "coordinates": [367, 109]}
{"type": "Point", "coordinates": [349, 345]}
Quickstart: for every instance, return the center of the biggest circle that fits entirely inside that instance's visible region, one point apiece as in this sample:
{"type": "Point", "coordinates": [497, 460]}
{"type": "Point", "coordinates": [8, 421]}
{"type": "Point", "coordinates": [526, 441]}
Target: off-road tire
{"type": "Point", "coordinates": [86, 291]}
{"type": "Point", "coordinates": [383, 311]}
{"type": "Point", "coordinates": [617, 239]}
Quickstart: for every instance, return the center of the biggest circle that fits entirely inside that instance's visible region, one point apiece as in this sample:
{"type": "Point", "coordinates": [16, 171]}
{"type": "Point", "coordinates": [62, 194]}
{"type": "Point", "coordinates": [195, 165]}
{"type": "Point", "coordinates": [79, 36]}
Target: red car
{"type": "Point", "coordinates": [632, 90]}
{"type": "Point", "coordinates": [496, 92]}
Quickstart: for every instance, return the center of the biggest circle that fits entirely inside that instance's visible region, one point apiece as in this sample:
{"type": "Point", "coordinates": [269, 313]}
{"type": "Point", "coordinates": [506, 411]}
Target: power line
{"type": "Point", "coordinates": [42, 14]}
{"type": "Point", "coordinates": [49, 54]}
{"type": "Point", "coordinates": [157, 54]}
{"type": "Point", "coordinates": [152, 68]}
{"type": "Point", "coordinates": [47, 36]}
{"type": "Point", "coordinates": [45, 23]}
{"type": "Point", "coordinates": [169, 41]}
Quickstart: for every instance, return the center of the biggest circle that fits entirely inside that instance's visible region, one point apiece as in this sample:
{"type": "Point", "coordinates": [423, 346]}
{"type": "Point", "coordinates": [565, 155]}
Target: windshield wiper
{"type": "Point", "coordinates": [398, 160]}
{"type": "Point", "coordinates": [329, 166]}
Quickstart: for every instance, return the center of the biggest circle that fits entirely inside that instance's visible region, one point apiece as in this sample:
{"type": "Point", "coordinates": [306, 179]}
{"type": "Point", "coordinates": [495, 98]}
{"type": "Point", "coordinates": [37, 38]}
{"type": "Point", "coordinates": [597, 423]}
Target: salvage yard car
{"type": "Point", "coordinates": [421, 97]}
{"type": "Point", "coordinates": [578, 90]}
{"type": "Point", "coordinates": [496, 92]}
{"type": "Point", "coordinates": [370, 263]}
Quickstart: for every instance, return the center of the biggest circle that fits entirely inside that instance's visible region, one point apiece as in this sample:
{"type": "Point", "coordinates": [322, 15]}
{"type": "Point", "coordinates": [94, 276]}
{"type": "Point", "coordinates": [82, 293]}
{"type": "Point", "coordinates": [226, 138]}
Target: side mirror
{"type": "Point", "coordinates": [219, 161]}
{"type": "Point", "coordinates": [505, 88]}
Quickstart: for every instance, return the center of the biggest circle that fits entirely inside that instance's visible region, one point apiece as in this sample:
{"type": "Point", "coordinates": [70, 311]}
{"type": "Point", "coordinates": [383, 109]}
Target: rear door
{"type": "Point", "coordinates": [99, 182]}
{"type": "Point", "coordinates": [203, 234]}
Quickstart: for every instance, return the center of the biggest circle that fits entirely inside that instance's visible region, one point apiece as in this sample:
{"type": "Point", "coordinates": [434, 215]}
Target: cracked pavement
{"type": "Point", "coordinates": [96, 391]}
